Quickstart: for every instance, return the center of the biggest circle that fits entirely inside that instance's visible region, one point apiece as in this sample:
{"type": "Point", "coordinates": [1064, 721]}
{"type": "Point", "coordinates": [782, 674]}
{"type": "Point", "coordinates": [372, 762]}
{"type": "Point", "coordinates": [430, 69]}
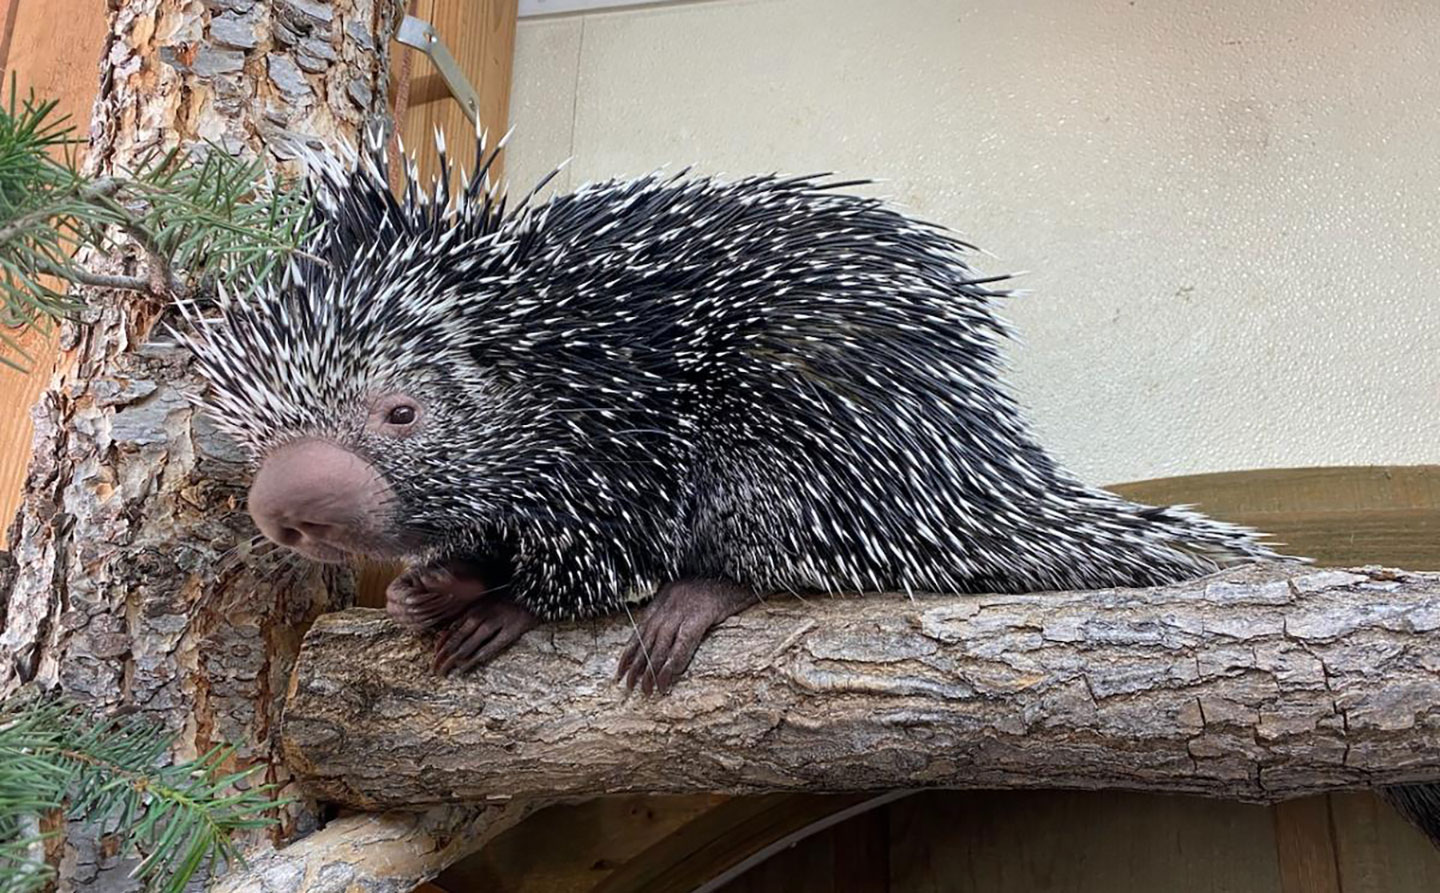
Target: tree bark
{"type": "Point", "coordinates": [1259, 685]}
{"type": "Point", "coordinates": [127, 588]}
{"type": "Point", "coordinates": [389, 853]}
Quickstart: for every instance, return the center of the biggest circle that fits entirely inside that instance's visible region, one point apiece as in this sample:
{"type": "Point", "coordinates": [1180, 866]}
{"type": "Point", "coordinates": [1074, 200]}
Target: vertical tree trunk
{"type": "Point", "coordinates": [126, 589]}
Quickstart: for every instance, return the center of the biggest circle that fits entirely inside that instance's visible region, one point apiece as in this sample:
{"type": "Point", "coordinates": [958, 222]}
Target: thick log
{"type": "Point", "coordinates": [1259, 684]}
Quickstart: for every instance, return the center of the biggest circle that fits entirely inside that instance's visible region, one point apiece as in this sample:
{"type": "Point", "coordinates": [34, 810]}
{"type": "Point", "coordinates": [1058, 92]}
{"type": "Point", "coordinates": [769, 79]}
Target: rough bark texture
{"type": "Point", "coordinates": [1259, 685]}
{"type": "Point", "coordinates": [388, 853]}
{"type": "Point", "coordinates": [128, 591]}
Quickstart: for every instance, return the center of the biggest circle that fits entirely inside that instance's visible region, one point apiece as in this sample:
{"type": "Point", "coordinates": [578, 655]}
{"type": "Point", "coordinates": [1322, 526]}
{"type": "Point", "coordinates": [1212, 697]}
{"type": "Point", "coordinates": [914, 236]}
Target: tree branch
{"type": "Point", "coordinates": [1259, 684]}
{"type": "Point", "coordinates": [389, 853]}
{"type": "Point", "coordinates": [83, 276]}
{"type": "Point", "coordinates": [95, 191]}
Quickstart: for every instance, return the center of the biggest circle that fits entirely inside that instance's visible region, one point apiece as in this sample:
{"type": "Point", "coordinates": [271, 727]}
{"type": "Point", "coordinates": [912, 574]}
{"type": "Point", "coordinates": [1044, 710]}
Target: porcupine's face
{"type": "Point", "coordinates": [350, 382]}
{"type": "Point", "coordinates": [385, 445]}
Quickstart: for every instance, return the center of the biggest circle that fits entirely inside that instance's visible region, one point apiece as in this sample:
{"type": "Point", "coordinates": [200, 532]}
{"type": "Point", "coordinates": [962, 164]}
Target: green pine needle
{"type": "Point", "coordinates": [57, 760]}
{"type": "Point", "coordinates": [201, 217]}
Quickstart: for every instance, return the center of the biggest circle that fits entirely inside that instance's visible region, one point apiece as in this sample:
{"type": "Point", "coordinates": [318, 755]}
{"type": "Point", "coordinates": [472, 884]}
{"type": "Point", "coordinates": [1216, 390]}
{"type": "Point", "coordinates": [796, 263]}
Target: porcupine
{"type": "Point", "coordinates": [696, 390]}
{"type": "Point", "coordinates": [678, 387]}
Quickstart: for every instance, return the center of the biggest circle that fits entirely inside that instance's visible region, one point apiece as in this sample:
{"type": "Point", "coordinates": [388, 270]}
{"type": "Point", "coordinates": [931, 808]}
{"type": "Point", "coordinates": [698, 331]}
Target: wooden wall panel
{"type": "Point", "coordinates": [1078, 842]}
{"type": "Point", "coordinates": [60, 63]}
{"type": "Point", "coordinates": [1376, 851]}
{"type": "Point", "coordinates": [1379, 514]}
{"type": "Point", "coordinates": [598, 837]}
{"type": "Point", "coordinates": [1305, 846]}
{"type": "Point", "coordinates": [481, 36]}
{"type": "Point", "coordinates": [1098, 842]}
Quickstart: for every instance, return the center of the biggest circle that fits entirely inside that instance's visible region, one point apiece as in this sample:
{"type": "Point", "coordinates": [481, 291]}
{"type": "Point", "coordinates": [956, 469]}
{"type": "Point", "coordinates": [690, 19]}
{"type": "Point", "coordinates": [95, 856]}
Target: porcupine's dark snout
{"type": "Point", "coordinates": [321, 500]}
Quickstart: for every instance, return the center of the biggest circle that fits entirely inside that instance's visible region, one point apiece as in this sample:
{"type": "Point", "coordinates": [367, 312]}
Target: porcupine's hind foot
{"type": "Point", "coordinates": [674, 626]}
{"type": "Point", "coordinates": [489, 627]}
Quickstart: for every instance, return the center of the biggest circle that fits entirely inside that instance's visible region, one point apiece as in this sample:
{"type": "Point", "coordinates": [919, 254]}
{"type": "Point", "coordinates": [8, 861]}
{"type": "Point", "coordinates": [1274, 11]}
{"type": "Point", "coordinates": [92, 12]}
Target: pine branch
{"type": "Point", "coordinates": [61, 205]}
{"type": "Point", "coordinates": [56, 760]}
{"type": "Point", "coordinates": [82, 276]}
{"type": "Point", "coordinates": [199, 217]}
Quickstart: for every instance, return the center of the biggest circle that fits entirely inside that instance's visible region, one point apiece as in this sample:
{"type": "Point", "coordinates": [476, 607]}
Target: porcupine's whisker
{"type": "Point", "coordinates": [258, 562]}
{"type": "Point", "coordinates": [253, 552]}
{"type": "Point", "coordinates": [639, 639]}
{"type": "Point", "coordinates": [288, 574]}
{"type": "Point", "coordinates": [249, 542]}
{"type": "Point", "coordinates": [233, 554]}
{"type": "Point", "coordinates": [274, 559]}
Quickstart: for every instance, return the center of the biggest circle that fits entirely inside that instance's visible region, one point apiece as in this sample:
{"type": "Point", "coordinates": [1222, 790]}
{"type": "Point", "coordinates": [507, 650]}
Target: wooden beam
{"type": "Point", "coordinates": [600, 836]}
{"type": "Point", "coordinates": [59, 63]}
{"type": "Point", "coordinates": [1380, 514]}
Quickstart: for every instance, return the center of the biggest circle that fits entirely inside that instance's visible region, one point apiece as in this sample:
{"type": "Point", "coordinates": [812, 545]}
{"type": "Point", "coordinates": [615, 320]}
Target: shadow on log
{"type": "Point", "coordinates": [1259, 684]}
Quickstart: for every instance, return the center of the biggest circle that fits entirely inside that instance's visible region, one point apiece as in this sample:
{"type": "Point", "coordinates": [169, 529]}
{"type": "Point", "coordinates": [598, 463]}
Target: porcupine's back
{"type": "Point", "coordinates": [809, 382]}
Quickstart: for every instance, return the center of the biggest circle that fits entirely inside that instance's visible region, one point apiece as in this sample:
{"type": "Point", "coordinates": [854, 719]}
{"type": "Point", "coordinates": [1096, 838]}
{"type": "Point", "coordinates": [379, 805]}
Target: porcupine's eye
{"type": "Point", "coordinates": [401, 415]}
{"type": "Point", "coordinates": [395, 415]}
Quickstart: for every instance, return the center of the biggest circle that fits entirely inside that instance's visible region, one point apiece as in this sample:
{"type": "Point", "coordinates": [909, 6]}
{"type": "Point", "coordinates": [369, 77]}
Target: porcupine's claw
{"type": "Point", "coordinates": [673, 627]}
{"type": "Point", "coordinates": [430, 595]}
{"type": "Point", "coordinates": [489, 627]}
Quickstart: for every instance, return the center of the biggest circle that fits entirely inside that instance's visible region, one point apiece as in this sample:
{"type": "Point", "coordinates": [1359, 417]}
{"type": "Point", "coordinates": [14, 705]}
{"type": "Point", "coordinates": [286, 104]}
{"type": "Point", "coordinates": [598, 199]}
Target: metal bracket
{"type": "Point", "coordinates": [421, 35]}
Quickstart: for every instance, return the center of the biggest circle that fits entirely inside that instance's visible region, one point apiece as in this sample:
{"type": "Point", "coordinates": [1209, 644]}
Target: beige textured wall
{"type": "Point", "coordinates": [1229, 211]}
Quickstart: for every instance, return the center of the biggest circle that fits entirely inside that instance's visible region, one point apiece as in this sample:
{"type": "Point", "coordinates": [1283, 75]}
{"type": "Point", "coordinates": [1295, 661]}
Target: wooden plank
{"type": "Point", "coordinates": [8, 11]}
{"type": "Point", "coordinates": [481, 36]}
{"type": "Point", "coordinates": [1305, 847]}
{"type": "Point", "coordinates": [1078, 842]}
{"type": "Point", "coordinates": [60, 64]}
{"type": "Point", "coordinates": [1339, 516]}
{"type": "Point", "coordinates": [598, 836]}
{"type": "Point", "coordinates": [18, 392]}
{"type": "Point", "coordinates": [1379, 852]}
{"type": "Point", "coordinates": [372, 579]}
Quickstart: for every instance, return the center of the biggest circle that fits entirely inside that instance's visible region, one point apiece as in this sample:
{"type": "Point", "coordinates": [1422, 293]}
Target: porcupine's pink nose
{"type": "Point", "coordinates": [319, 499]}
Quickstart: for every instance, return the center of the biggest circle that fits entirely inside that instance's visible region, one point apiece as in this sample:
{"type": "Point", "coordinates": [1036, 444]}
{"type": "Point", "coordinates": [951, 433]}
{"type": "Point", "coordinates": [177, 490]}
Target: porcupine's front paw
{"type": "Point", "coordinates": [432, 595]}
{"type": "Point", "coordinates": [674, 625]}
{"type": "Point", "coordinates": [489, 627]}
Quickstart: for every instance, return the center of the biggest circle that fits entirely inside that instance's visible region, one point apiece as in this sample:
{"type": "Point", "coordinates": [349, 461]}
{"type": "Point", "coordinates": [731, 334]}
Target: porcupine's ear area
{"type": "Point", "coordinates": [302, 356]}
